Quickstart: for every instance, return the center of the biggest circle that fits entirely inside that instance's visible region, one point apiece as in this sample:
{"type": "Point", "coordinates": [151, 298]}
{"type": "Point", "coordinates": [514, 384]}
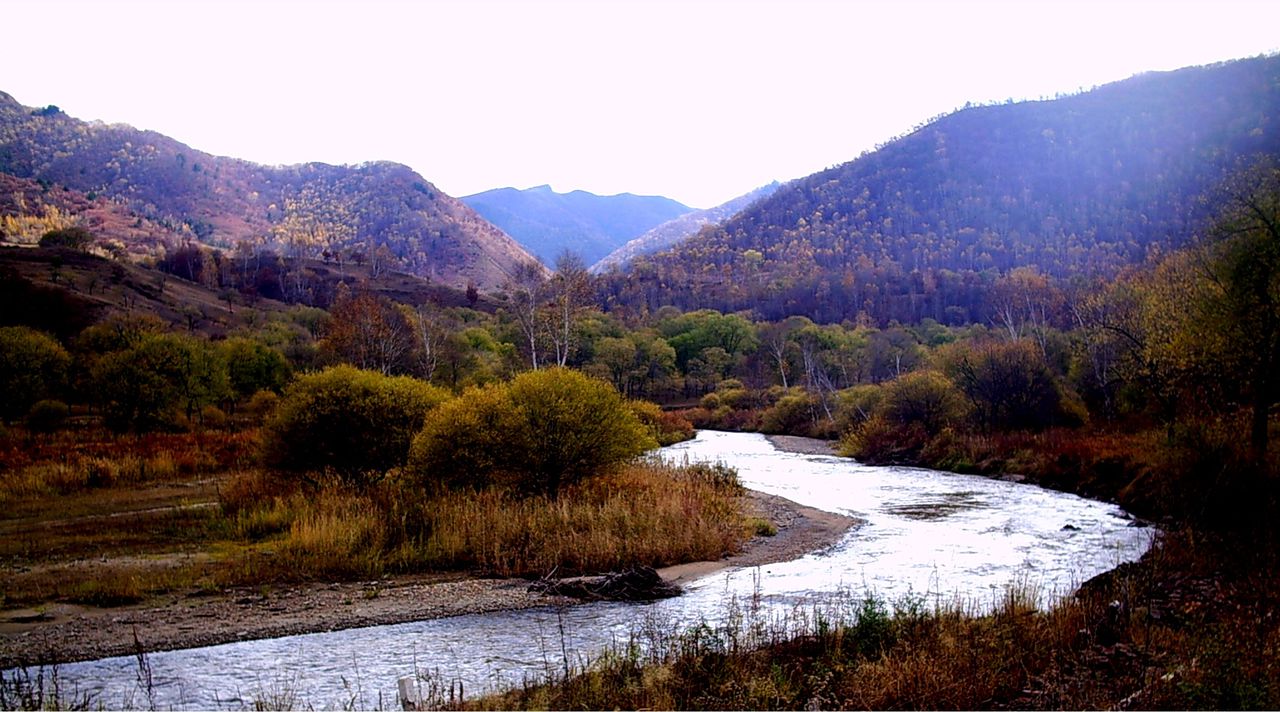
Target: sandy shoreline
{"type": "Point", "coordinates": [60, 633]}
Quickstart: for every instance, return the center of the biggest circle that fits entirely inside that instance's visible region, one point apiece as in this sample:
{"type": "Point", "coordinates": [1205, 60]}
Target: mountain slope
{"type": "Point", "coordinates": [672, 231]}
{"type": "Point", "coordinates": [381, 210]}
{"type": "Point", "coordinates": [547, 222]}
{"type": "Point", "coordinates": [923, 226]}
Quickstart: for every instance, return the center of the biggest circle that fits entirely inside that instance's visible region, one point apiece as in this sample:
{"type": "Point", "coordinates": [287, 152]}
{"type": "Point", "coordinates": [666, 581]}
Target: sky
{"type": "Point", "coordinates": [697, 100]}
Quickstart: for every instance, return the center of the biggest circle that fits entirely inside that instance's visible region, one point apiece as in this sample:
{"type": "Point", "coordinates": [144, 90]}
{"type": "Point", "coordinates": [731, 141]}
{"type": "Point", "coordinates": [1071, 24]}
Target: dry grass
{"type": "Point", "coordinates": [1192, 626]}
{"type": "Point", "coordinates": [650, 514]}
{"type": "Point", "coordinates": [646, 513]}
{"type": "Point", "coordinates": [95, 518]}
{"type": "Point", "coordinates": [37, 472]}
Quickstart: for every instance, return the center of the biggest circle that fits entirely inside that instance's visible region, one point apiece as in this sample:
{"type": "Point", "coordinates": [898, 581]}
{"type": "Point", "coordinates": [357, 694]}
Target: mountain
{"type": "Point", "coordinates": [372, 211]}
{"type": "Point", "coordinates": [547, 222]}
{"type": "Point", "coordinates": [924, 226]}
{"type": "Point", "coordinates": [672, 231]}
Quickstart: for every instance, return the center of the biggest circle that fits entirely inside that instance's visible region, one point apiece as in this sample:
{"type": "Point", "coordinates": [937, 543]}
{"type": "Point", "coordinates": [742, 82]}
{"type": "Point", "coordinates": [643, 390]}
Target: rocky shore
{"type": "Point", "coordinates": [64, 633]}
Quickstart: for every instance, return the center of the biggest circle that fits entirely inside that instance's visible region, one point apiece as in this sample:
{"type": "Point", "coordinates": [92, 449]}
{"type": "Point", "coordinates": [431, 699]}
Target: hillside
{"type": "Point", "coordinates": [547, 222]}
{"type": "Point", "coordinates": [672, 231]}
{"type": "Point", "coordinates": [62, 291]}
{"type": "Point", "coordinates": [381, 210]}
{"type": "Point", "coordinates": [1082, 185]}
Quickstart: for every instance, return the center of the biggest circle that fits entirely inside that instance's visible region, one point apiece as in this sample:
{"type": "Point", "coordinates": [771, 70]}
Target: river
{"type": "Point", "coordinates": [929, 537]}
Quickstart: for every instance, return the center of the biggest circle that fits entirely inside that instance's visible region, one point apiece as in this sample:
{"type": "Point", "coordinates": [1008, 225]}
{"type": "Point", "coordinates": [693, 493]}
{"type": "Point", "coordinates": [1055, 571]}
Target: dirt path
{"type": "Point", "coordinates": [63, 633]}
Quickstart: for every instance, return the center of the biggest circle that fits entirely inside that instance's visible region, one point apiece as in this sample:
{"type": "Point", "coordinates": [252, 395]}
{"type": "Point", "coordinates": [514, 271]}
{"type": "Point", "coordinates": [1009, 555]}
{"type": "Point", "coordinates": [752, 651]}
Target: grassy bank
{"type": "Point", "coordinates": [91, 517]}
{"type": "Point", "coordinates": [1188, 627]}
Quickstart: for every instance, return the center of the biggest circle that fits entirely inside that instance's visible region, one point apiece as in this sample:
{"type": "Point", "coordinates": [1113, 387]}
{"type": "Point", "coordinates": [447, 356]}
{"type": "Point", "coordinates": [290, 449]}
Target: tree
{"type": "Point", "coordinates": [74, 238]}
{"type": "Point", "coordinates": [570, 288]}
{"type": "Point", "coordinates": [525, 292]}
{"type": "Point", "coordinates": [1023, 302]}
{"type": "Point", "coordinates": [369, 332]}
{"type": "Point", "coordinates": [253, 366]}
{"type": "Point", "coordinates": [690, 334]}
{"type": "Point", "coordinates": [1242, 263]}
{"type": "Point", "coordinates": [1009, 386]}
{"type": "Point", "coordinates": [543, 430]}
{"type": "Point", "coordinates": [355, 423]}
{"type": "Point", "coordinates": [156, 380]}
{"type": "Point", "coordinates": [431, 334]}
{"type": "Point", "coordinates": [926, 398]}
{"type": "Point", "coordinates": [777, 341]}
{"type": "Point", "coordinates": [33, 367]}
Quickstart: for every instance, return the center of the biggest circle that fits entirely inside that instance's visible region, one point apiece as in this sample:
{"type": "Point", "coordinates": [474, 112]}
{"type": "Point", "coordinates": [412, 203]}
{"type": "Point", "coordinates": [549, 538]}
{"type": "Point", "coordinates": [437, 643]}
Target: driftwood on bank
{"type": "Point", "coordinates": [637, 583]}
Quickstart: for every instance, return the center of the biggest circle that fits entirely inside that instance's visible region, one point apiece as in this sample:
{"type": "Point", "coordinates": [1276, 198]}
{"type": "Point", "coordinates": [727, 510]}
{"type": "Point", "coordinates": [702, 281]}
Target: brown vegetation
{"type": "Point", "coordinates": [1185, 628]}
{"type": "Point", "coordinates": [190, 512]}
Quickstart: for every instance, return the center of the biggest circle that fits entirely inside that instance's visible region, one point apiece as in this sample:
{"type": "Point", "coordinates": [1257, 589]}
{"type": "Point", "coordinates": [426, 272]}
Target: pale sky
{"type": "Point", "coordinates": [697, 100]}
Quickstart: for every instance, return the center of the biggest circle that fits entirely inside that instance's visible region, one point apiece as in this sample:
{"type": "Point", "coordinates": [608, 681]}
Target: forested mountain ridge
{"type": "Point", "coordinates": [547, 222]}
{"type": "Point", "coordinates": [923, 226]}
{"type": "Point", "coordinates": [676, 229]}
{"type": "Point", "coordinates": [372, 212]}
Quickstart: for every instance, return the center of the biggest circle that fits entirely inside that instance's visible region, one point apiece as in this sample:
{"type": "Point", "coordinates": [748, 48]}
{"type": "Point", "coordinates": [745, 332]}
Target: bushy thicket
{"type": "Point", "coordinates": [357, 424]}
{"type": "Point", "coordinates": [542, 430]}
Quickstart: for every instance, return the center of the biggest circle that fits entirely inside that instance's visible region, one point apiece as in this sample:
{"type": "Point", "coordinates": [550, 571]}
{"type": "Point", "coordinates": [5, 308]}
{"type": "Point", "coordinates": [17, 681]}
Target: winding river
{"type": "Point", "coordinates": [929, 537]}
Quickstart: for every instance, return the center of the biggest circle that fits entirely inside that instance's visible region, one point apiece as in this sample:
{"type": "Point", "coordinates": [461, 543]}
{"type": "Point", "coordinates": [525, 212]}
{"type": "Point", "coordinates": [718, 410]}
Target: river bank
{"type": "Point", "coordinates": [60, 633]}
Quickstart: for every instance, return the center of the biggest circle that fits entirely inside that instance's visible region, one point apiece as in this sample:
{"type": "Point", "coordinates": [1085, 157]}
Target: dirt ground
{"type": "Point", "coordinates": [60, 633]}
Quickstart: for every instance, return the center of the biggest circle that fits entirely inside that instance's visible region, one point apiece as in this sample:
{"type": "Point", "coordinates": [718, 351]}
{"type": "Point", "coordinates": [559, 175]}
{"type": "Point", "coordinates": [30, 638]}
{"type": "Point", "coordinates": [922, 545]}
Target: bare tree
{"type": "Point", "coordinates": [526, 291]}
{"type": "Point", "coordinates": [570, 289]}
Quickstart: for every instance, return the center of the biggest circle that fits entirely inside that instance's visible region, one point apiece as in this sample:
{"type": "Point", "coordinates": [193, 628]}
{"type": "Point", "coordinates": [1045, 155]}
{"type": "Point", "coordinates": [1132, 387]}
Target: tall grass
{"type": "Point", "coordinates": [648, 513]}
{"type": "Point", "coordinates": [1189, 627]}
{"type": "Point", "coordinates": [652, 513]}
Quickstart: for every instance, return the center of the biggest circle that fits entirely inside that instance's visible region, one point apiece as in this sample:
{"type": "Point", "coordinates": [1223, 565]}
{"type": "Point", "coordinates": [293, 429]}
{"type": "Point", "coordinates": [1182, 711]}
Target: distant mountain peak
{"type": "Point", "coordinates": [547, 222]}
{"type": "Point", "coordinates": [673, 231]}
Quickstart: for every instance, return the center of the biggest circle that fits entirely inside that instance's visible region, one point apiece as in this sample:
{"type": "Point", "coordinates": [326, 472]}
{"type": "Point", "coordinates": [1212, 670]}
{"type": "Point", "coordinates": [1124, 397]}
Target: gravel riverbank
{"type": "Point", "coordinates": [60, 633]}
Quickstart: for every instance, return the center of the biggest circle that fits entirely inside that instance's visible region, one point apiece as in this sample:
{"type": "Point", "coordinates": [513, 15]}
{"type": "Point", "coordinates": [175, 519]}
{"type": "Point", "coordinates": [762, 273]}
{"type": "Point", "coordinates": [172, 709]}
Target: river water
{"type": "Point", "coordinates": [929, 537]}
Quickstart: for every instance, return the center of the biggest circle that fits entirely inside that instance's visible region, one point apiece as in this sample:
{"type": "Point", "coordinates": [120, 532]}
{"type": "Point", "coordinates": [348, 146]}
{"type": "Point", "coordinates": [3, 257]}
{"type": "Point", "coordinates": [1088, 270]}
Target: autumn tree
{"type": "Point", "coordinates": [1009, 386]}
{"type": "Point", "coordinates": [431, 332]}
{"type": "Point", "coordinates": [1242, 264]}
{"type": "Point", "coordinates": [906, 414]}
{"type": "Point", "coordinates": [369, 332]}
{"type": "Point", "coordinates": [1023, 303]}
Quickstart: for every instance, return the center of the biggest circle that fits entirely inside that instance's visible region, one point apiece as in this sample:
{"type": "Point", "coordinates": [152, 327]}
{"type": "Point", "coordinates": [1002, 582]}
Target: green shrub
{"type": "Point", "coordinates": [904, 416]}
{"type": "Point", "coordinates": [262, 404]}
{"type": "Point", "coordinates": [253, 366]}
{"type": "Point", "coordinates": [33, 367]}
{"type": "Point", "coordinates": [855, 405]}
{"type": "Point", "coordinates": [357, 424]}
{"type": "Point", "coordinates": [75, 238]}
{"type": "Point", "coordinates": [543, 430]}
{"type": "Point", "coordinates": [47, 416]}
{"type": "Point", "coordinates": [793, 414]}
{"type": "Point", "coordinates": [212, 417]}
{"type": "Point", "coordinates": [666, 428]}
{"type": "Point", "coordinates": [925, 398]}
